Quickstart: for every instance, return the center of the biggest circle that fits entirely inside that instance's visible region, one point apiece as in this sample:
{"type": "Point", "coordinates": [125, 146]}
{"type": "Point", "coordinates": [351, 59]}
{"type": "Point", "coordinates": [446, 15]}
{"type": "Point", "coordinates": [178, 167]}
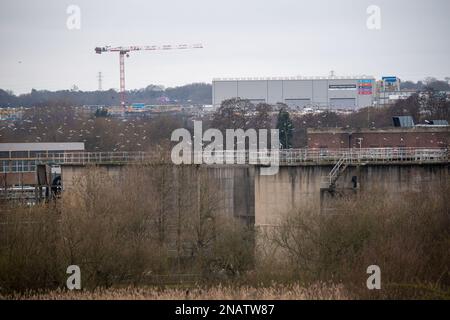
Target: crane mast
{"type": "Point", "coordinates": [124, 51]}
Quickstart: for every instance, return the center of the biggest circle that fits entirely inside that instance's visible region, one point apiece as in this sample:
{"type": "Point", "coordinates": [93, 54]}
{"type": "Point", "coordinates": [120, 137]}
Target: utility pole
{"type": "Point", "coordinates": [99, 81]}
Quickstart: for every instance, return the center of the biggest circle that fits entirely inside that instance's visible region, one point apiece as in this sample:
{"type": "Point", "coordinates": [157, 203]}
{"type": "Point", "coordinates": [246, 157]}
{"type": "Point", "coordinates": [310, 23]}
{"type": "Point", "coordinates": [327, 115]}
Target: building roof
{"type": "Point", "coordinates": [415, 129]}
{"type": "Point", "coordinates": [440, 122]}
{"type": "Point", "coordinates": [403, 121]}
{"type": "Point", "coordinates": [356, 77]}
{"type": "Point", "coordinates": [43, 146]}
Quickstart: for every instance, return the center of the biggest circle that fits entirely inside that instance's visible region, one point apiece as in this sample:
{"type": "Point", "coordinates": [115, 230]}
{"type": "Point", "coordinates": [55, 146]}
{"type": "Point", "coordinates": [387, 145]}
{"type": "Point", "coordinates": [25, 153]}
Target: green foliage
{"type": "Point", "coordinates": [101, 113]}
{"type": "Point", "coordinates": [286, 129]}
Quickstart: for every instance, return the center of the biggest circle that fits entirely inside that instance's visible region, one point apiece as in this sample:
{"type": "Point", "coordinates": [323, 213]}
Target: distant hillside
{"type": "Point", "coordinates": [196, 93]}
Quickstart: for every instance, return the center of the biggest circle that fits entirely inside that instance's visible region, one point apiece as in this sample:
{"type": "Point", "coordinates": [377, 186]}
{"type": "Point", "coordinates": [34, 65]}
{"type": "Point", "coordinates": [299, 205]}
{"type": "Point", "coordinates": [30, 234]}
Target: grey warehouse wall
{"type": "Point", "coordinates": [295, 92]}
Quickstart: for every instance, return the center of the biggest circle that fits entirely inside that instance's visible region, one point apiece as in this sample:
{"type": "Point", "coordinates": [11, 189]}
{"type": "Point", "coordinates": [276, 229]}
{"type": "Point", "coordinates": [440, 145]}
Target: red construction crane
{"type": "Point", "coordinates": [125, 51]}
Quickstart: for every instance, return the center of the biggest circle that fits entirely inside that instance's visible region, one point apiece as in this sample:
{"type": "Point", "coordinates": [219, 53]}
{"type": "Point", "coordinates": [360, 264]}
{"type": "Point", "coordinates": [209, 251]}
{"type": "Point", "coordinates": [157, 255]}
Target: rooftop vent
{"type": "Point", "coordinates": [403, 121]}
{"type": "Point", "coordinates": [439, 122]}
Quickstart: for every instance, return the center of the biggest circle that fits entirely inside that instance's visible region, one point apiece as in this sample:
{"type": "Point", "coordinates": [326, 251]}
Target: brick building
{"type": "Point", "coordinates": [18, 160]}
{"type": "Point", "coordinates": [396, 137]}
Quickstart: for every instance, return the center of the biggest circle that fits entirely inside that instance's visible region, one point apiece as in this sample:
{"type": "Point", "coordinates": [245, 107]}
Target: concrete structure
{"type": "Point", "coordinates": [233, 185]}
{"type": "Point", "coordinates": [262, 200]}
{"type": "Point", "coordinates": [399, 137]}
{"type": "Point", "coordinates": [299, 187]}
{"type": "Point", "coordinates": [335, 92]}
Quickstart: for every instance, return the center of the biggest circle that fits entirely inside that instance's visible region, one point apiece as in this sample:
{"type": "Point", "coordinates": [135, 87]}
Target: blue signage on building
{"type": "Point", "coordinates": [389, 79]}
{"type": "Point", "coordinates": [138, 105]}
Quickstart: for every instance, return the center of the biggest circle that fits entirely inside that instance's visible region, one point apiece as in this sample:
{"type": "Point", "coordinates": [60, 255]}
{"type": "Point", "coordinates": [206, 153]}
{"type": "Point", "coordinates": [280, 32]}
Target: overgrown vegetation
{"type": "Point", "coordinates": [63, 123]}
{"type": "Point", "coordinates": [164, 227]}
{"type": "Point", "coordinates": [161, 221]}
{"type": "Point", "coordinates": [274, 292]}
{"type": "Point", "coordinates": [407, 237]}
{"type": "Point", "coordinates": [59, 121]}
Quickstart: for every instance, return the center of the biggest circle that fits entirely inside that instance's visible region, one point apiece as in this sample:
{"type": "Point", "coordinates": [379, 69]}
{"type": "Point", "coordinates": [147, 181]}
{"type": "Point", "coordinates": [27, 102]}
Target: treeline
{"type": "Point", "coordinates": [237, 113]}
{"type": "Point", "coordinates": [430, 82]}
{"type": "Point", "coordinates": [430, 105]}
{"type": "Point", "coordinates": [58, 122]}
{"type": "Point", "coordinates": [196, 93]}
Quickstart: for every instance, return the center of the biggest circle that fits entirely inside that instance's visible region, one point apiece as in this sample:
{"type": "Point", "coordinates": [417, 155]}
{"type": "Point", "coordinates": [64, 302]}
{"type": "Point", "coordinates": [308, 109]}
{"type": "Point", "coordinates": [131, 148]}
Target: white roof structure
{"type": "Point", "coordinates": [43, 146]}
{"type": "Point", "coordinates": [296, 78]}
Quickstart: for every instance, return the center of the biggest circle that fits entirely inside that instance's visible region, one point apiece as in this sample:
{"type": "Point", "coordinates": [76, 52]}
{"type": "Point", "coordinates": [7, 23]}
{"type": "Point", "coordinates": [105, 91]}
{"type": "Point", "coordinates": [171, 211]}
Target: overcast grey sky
{"type": "Point", "coordinates": [242, 38]}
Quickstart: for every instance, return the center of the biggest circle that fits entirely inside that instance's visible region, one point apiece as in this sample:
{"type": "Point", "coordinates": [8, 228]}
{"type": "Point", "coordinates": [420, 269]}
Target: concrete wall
{"type": "Point", "coordinates": [263, 199]}
{"type": "Point", "coordinates": [234, 185]}
{"type": "Point", "coordinates": [299, 186]}
{"type": "Point", "coordinates": [223, 90]}
{"type": "Point", "coordinates": [252, 90]}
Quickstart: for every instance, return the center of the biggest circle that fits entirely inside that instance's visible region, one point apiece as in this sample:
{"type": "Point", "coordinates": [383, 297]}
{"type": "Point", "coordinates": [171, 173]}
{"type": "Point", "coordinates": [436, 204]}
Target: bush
{"type": "Point", "coordinates": [161, 221]}
{"type": "Point", "coordinates": [407, 237]}
{"type": "Point", "coordinates": [164, 222]}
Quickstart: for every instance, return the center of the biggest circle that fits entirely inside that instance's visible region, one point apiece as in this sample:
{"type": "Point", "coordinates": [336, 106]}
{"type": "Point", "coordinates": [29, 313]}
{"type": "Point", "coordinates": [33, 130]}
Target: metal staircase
{"type": "Point", "coordinates": [340, 166]}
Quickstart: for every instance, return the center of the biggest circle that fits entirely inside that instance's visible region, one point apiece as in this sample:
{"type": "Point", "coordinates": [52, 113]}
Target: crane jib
{"type": "Point", "coordinates": [150, 48]}
{"type": "Point", "coordinates": [125, 50]}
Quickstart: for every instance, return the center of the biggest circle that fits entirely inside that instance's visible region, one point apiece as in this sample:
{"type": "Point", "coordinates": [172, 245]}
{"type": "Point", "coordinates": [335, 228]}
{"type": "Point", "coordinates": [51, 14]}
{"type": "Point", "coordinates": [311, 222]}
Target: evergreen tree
{"type": "Point", "coordinates": [286, 128]}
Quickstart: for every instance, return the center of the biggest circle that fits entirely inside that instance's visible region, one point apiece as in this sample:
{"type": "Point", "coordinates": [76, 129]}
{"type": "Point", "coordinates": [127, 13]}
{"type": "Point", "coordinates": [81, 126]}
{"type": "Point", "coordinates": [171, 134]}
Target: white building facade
{"type": "Point", "coordinates": [323, 92]}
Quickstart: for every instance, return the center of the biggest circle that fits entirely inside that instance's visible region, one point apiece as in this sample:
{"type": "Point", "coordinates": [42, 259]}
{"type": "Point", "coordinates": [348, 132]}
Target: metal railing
{"type": "Point", "coordinates": [83, 158]}
{"type": "Point", "coordinates": [261, 157]}
{"type": "Point", "coordinates": [338, 168]}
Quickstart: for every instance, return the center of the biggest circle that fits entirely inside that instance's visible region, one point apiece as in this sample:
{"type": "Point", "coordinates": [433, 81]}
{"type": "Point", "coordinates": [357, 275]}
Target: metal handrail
{"type": "Point", "coordinates": [257, 157]}
{"type": "Point", "coordinates": [331, 178]}
{"type": "Point", "coordinates": [260, 157]}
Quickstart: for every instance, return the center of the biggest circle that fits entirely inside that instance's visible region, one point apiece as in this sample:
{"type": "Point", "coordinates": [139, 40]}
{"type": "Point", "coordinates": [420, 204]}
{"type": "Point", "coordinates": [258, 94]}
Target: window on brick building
{"type": "Point", "coordinates": [4, 154]}
{"type": "Point", "coordinates": [19, 154]}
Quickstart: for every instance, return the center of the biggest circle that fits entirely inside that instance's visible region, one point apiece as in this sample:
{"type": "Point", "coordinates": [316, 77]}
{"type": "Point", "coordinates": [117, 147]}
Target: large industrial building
{"type": "Point", "coordinates": [18, 160]}
{"type": "Point", "coordinates": [324, 92]}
